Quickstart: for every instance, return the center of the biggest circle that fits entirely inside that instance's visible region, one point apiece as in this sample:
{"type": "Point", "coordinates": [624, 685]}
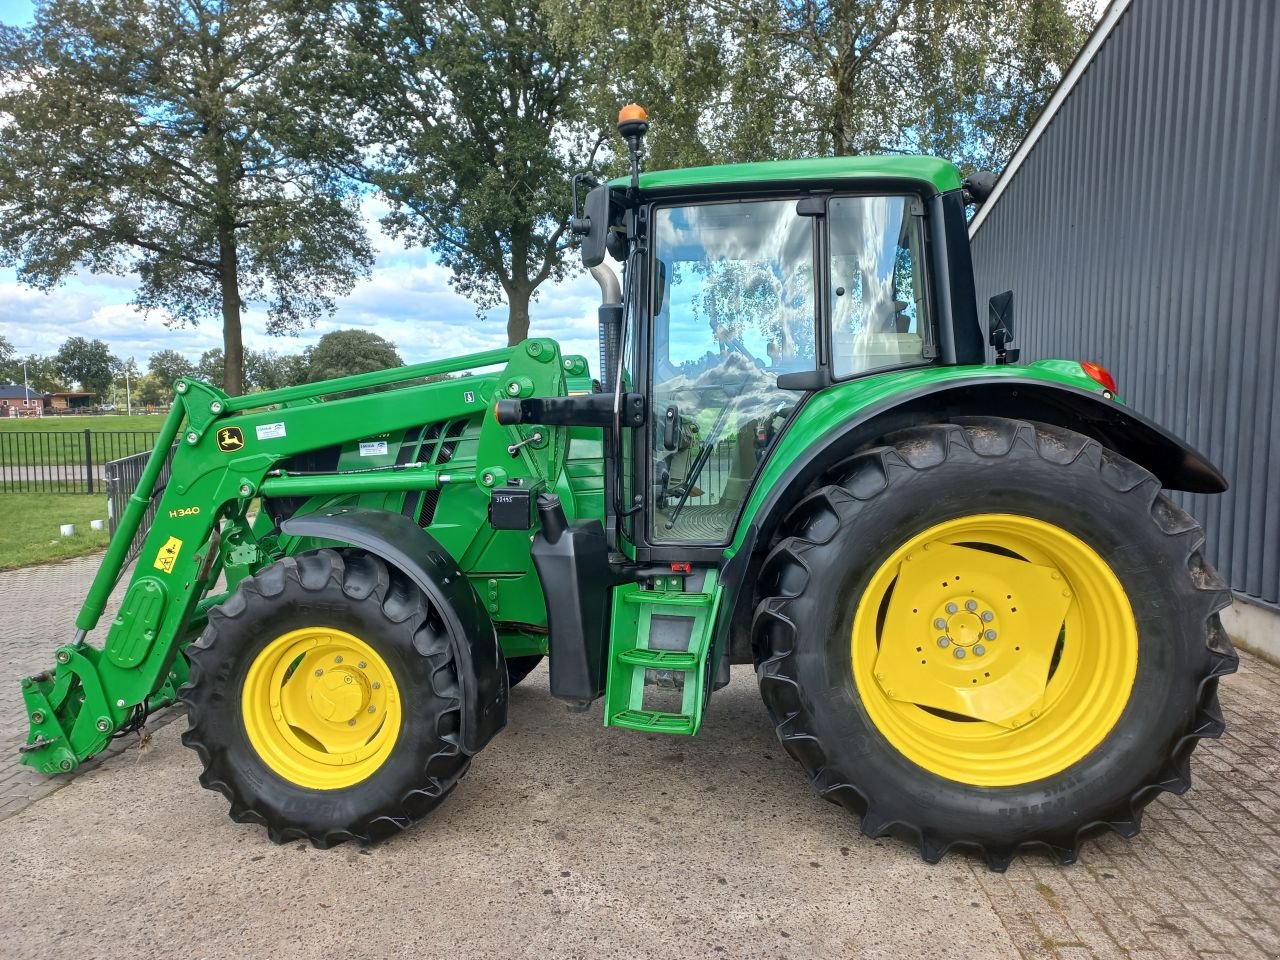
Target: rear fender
{"type": "Point", "coordinates": [404, 545]}
{"type": "Point", "coordinates": [1007, 394]}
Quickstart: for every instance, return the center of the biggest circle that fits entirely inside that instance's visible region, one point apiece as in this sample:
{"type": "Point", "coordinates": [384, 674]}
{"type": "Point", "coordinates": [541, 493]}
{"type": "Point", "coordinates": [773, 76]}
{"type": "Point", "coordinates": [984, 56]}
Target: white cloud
{"type": "Point", "coordinates": [407, 299]}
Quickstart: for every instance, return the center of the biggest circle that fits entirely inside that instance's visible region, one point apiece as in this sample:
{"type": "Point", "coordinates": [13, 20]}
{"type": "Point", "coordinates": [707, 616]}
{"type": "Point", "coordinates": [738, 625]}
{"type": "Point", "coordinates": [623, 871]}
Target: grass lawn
{"type": "Point", "coordinates": [60, 440]}
{"type": "Point", "coordinates": [29, 527]}
{"type": "Point", "coordinates": [107, 421]}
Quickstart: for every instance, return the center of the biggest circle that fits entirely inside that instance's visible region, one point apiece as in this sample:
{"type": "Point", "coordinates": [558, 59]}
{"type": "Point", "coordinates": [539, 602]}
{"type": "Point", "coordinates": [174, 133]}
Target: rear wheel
{"type": "Point", "coordinates": [325, 702]}
{"type": "Point", "coordinates": [992, 634]}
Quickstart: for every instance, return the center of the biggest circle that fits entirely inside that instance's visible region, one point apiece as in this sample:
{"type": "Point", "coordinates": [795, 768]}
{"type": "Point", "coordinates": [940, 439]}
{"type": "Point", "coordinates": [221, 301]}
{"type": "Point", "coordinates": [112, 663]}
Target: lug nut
{"type": "Point", "coordinates": [944, 642]}
{"type": "Point", "coordinates": [320, 672]}
{"type": "Point", "coordinates": [351, 722]}
{"type": "Point", "coordinates": [373, 709]}
{"type": "Point", "coordinates": [990, 634]}
{"type": "Point", "coordinates": [361, 664]}
{"type": "Point", "coordinates": [940, 624]}
{"type": "Point", "coordinates": [952, 608]}
{"type": "Point", "coordinates": [377, 686]}
{"type": "Point", "coordinates": [959, 653]}
{"type": "Point", "coordinates": [987, 616]}
{"type": "Point", "coordinates": [337, 659]}
{"type": "Point", "coordinates": [971, 605]}
{"type": "Point", "coordinates": [979, 650]}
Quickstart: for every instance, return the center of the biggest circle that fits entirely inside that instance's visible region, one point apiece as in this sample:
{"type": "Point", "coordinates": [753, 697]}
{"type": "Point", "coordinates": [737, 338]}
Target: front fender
{"type": "Point", "coordinates": [406, 546]}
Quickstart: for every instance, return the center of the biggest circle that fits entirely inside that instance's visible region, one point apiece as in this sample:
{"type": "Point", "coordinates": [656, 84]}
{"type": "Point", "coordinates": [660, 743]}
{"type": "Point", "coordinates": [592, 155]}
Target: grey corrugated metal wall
{"type": "Point", "coordinates": [1142, 231]}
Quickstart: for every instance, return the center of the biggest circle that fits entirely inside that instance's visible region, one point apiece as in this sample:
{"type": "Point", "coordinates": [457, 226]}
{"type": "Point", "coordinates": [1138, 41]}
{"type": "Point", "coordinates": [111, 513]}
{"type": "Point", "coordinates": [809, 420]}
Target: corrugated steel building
{"type": "Point", "coordinates": [1139, 226]}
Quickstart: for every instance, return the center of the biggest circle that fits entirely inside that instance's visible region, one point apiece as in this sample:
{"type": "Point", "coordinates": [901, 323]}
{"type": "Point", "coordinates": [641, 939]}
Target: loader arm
{"type": "Point", "coordinates": [228, 452]}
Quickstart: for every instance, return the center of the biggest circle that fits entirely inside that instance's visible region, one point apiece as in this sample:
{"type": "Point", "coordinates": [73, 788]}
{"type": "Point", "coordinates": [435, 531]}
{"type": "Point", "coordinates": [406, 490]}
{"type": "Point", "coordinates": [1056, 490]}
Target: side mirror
{"type": "Point", "coordinates": [1000, 326]}
{"type": "Point", "coordinates": [594, 228]}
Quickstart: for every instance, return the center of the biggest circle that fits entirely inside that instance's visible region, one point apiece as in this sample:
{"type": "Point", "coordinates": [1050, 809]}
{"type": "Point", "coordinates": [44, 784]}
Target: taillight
{"type": "Point", "coordinates": [1100, 374]}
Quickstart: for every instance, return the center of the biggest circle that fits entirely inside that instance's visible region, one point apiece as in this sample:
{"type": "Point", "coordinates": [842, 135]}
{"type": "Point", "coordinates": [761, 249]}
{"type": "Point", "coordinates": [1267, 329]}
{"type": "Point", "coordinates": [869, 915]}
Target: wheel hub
{"type": "Point", "coordinates": [339, 695]}
{"type": "Point", "coordinates": [321, 707]}
{"type": "Point", "coordinates": [972, 633]}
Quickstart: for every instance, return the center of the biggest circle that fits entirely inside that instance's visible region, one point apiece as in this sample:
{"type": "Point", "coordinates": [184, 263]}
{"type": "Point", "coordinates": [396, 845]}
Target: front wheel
{"type": "Point", "coordinates": [325, 700]}
{"type": "Point", "coordinates": [992, 634]}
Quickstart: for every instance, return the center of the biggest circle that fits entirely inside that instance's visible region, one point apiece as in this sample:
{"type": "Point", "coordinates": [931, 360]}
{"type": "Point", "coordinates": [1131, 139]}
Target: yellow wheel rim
{"type": "Point", "coordinates": [994, 649]}
{"type": "Point", "coordinates": [321, 708]}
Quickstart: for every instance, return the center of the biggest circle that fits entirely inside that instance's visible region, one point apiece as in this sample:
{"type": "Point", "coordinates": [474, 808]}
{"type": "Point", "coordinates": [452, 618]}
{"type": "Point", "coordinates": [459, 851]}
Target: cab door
{"type": "Point", "coordinates": [734, 306]}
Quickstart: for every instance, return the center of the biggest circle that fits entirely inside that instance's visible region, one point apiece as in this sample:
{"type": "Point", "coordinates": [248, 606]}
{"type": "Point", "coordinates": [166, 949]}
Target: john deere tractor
{"type": "Point", "coordinates": [974, 616]}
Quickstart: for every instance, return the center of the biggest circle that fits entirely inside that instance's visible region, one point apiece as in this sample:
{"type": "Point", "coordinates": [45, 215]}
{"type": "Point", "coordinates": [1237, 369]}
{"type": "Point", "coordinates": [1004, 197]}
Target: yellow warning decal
{"type": "Point", "coordinates": [168, 555]}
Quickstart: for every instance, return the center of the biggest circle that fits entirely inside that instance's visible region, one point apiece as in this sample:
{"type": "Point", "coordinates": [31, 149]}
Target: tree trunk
{"type": "Point", "coordinates": [232, 345]}
{"type": "Point", "coordinates": [518, 314]}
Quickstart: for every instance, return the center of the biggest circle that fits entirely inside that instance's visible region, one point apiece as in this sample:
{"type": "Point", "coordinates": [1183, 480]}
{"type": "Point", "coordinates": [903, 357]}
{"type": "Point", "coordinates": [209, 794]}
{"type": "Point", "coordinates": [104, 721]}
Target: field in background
{"type": "Point", "coordinates": [107, 421]}
{"type": "Point", "coordinates": [29, 527]}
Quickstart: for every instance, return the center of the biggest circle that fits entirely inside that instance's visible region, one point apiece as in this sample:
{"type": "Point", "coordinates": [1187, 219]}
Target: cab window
{"type": "Point", "coordinates": [878, 290]}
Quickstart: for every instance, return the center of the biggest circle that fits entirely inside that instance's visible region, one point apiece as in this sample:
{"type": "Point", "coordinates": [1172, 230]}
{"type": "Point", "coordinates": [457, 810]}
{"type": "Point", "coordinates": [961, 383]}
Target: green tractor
{"type": "Point", "coordinates": [975, 618]}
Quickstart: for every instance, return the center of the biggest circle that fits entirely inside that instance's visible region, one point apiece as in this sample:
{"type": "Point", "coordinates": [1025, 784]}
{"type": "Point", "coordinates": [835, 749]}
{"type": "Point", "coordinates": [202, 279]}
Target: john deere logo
{"type": "Point", "coordinates": [230, 439]}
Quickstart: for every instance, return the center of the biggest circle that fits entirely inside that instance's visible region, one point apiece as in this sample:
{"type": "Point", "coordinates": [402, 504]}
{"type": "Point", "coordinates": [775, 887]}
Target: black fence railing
{"type": "Point", "coordinates": [122, 478]}
{"type": "Point", "coordinates": [64, 461]}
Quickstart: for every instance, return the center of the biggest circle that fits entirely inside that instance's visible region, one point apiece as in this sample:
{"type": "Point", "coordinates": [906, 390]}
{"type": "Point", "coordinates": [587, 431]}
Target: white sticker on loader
{"type": "Point", "coordinates": [376, 449]}
{"type": "Point", "coordinates": [271, 431]}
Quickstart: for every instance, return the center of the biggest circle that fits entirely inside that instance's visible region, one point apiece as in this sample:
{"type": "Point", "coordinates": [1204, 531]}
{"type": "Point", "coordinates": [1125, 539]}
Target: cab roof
{"type": "Point", "coordinates": [941, 174]}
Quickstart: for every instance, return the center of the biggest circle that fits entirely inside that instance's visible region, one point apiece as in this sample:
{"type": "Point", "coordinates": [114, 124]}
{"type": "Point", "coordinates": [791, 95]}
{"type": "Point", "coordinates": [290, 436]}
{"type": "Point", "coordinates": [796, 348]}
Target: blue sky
{"type": "Point", "coordinates": [406, 299]}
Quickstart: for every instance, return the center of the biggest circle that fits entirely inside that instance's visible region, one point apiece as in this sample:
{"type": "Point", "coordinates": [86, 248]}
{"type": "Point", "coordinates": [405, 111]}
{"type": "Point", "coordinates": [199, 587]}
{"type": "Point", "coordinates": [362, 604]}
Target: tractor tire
{"type": "Point", "coordinates": [898, 671]}
{"type": "Point", "coordinates": [520, 667]}
{"type": "Point", "coordinates": [324, 700]}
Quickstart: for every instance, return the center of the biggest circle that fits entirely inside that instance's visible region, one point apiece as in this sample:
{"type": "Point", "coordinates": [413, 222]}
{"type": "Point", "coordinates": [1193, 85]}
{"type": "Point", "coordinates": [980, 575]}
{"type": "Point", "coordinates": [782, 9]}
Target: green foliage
{"type": "Point", "coordinates": [346, 352]}
{"type": "Point", "coordinates": [153, 390]}
{"type": "Point", "coordinates": [742, 80]}
{"type": "Point", "coordinates": [210, 366]}
{"type": "Point", "coordinates": [173, 141]}
{"type": "Point", "coordinates": [474, 119]}
{"type": "Point", "coordinates": [268, 370]}
{"type": "Point", "coordinates": [10, 363]}
{"type": "Point", "coordinates": [88, 363]}
{"type": "Point", "coordinates": [42, 374]}
{"type": "Point", "coordinates": [169, 365]}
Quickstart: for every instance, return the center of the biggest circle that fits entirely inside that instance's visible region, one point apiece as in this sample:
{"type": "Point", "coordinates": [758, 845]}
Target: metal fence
{"type": "Point", "coordinates": [64, 461]}
{"type": "Point", "coordinates": [122, 478]}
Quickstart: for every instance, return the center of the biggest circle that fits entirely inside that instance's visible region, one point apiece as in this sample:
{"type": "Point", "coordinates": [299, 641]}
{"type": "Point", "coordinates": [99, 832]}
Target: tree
{"type": "Point", "coordinates": [88, 363]}
{"type": "Point", "coordinates": [42, 374]}
{"type": "Point", "coordinates": [474, 120]}
{"type": "Point", "coordinates": [10, 364]}
{"type": "Point", "coordinates": [346, 352]}
{"type": "Point", "coordinates": [741, 80]}
{"type": "Point", "coordinates": [268, 370]}
{"type": "Point", "coordinates": [169, 365]}
{"type": "Point", "coordinates": [152, 390]}
{"type": "Point", "coordinates": [945, 77]}
{"type": "Point", "coordinates": [211, 366]}
{"type": "Point", "coordinates": [172, 140]}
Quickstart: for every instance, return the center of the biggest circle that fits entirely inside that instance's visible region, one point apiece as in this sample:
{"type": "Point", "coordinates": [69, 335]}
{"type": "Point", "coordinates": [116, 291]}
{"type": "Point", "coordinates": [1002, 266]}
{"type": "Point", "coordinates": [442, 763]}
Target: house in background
{"type": "Point", "coordinates": [71, 401]}
{"type": "Point", "coordinates": [1137, 227]}
{"type": "Point", "coordinates": [19, 401]}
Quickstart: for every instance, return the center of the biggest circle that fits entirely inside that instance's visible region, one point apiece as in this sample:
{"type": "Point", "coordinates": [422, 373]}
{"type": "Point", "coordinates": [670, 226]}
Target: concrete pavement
{"type": "Point", "coordinates": [569, 840]}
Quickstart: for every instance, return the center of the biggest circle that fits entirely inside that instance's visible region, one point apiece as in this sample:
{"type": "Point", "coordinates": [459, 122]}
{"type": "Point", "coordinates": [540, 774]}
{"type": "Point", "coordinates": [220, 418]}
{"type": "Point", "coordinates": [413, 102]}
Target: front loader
{"type": "Point", "coordinates": [975, 617]}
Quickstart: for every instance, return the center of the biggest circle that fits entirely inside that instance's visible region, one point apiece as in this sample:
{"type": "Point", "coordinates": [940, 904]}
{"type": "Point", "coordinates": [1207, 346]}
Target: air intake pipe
{"type": "Point", "coordinates": [610, 322]}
